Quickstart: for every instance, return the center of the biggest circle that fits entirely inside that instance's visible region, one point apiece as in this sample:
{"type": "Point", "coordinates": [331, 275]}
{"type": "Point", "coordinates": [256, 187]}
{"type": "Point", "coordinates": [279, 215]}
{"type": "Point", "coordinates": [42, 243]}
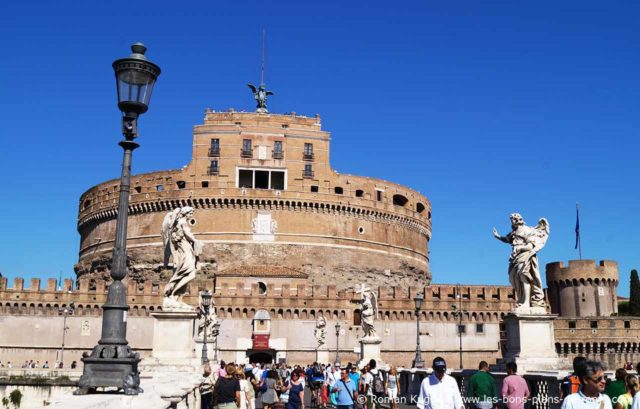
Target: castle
{"type": "Point", "coordinates": [286, 240]}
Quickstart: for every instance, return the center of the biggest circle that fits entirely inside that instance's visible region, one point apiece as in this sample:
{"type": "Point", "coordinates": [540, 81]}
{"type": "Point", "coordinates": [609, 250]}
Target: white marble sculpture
{"type": "Point", "coordinates": [181, 245]}
{"type": "Point", "coordinates": [524, 271]}
{"type": "Point", "coordinates": [321, 331]}
{"type": "Point", "coordinates": [369, 311]}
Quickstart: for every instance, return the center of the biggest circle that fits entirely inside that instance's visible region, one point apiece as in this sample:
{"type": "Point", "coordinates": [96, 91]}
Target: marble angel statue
{"type": "Point", "coordinates": [524, 270]}
{"type": "Point", "coordinates": [320, 331]}
{"type": "Point", "coordinates": [181, 245]}
{"type": "Point", "coordinates": [369, 311]}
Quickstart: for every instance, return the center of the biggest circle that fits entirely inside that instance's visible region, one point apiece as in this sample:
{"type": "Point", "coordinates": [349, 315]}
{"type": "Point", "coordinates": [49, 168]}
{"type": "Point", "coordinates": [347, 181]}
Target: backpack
{"type": "Point", "coordinates": [570, 384]}
{"type": "Point", "coordinates": [317, 372]}
{"type": "Point", "coordinates": [377, 385]}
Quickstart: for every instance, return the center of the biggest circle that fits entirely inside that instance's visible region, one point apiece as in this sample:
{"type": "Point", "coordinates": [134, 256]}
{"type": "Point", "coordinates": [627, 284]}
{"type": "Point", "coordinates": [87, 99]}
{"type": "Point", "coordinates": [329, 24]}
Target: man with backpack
{"type": "Point", "coordinates": [374, 386]}
{"type": "Point", "coordinates": [571, 384]}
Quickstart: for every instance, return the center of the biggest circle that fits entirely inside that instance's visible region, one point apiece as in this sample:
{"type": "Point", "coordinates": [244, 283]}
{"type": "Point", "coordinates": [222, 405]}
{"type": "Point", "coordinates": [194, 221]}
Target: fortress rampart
{"type": "Point", "coordinates": [583, 288]}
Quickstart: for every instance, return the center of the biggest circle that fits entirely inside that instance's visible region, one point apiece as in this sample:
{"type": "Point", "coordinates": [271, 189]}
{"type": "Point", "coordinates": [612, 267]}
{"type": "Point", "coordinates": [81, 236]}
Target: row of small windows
{"type": "Point", "coordinates": [247, 149]}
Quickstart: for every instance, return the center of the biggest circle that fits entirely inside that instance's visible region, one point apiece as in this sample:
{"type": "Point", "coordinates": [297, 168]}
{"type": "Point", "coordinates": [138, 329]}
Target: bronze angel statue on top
{"type": "Point", "coordinates": [260, 94]}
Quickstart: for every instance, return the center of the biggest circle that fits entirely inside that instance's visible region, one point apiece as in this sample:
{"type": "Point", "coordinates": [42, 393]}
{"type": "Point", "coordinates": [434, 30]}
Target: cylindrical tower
{"type": "Point", "coordinates": [265, 194]}
{"type": "Point", "coordinates": [583, 289]}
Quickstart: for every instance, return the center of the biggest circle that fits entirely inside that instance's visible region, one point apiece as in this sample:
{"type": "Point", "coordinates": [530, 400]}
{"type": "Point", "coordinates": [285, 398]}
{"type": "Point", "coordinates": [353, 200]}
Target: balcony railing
{"type": "Point", "coordinates": [246, 153]}
{"type": "Point", "coordinates": [277, 155]}
{"type": "Point", "coordinates": [214, 152]}
{"type": "Point", "coordinates": [307, 156]}
{"type": "Point", "coordinates": [307, 174]}
{"type": "Point", "coordinates": [213, 171]}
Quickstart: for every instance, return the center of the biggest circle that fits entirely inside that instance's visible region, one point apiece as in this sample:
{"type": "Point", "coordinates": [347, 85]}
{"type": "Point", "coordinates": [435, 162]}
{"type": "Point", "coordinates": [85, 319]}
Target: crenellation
{"type": "Point", "coordinates": [34, 286]}
{"type": "Point", "coordinates": [3, 283]}
{"type": "Point", "coordinates": [67, 285]}
{"type": "Point", "coordinates": [84, 285]}
{"type": "Point", "coordinates": [18, 284]}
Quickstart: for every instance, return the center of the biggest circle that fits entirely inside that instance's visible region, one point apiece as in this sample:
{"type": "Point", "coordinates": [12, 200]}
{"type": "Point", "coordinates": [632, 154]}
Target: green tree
{"type": "Point", "coordinates": [16, 398]}
{"type": "Point", "coordinates": [5, 402]}
{"type": "Point", "coordinates": [634, 296]}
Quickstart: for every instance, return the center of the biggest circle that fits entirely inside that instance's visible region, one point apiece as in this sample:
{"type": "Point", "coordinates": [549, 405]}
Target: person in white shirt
{"type": "Point", "coordinates": [592, 384]}
{"type": "Point", "coordinates": [439, 390]}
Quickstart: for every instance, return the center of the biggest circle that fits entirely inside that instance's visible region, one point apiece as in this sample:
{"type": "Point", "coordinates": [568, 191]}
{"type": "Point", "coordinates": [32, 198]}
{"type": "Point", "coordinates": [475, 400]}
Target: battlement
{"type": "Point", "coordinates": [582, 271]}
{"type": "Point", "coordinates": [92, 289]}
{"type": "Point", "coordinates": [242, 118]}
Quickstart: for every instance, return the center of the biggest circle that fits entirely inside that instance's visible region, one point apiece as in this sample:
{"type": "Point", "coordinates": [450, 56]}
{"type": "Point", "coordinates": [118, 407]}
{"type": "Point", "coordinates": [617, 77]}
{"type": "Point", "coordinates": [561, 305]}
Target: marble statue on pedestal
{"type": "Point", "coordinates": [321, 331]}
{"type": "Point", "coordinates": [369, 311]}
{"type": "Point", "coordinates": [181, 245]}
{"type": "Point", "coordinates": [524, 271]}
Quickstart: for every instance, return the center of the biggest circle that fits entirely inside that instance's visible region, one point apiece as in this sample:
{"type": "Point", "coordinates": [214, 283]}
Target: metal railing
{"type": "Point", "coordinates": [214, 152]}
{"type": "Point", "coordinates": [307, 174]}
{"type": "Point", "coordinates": [213, 171]}
{"type": "Point", "coordinates": [277, 154]}
{"type": "Point", "coordinates": [246, 153]}
{"type": "Point", "coordinates": [307, 156]}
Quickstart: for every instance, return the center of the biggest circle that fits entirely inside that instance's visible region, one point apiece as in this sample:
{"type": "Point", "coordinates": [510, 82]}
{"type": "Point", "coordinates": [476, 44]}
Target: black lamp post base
{"type": "Point", "coordinates": [418, 363]}
{"type": "Point", "coordinates": [110, 366]}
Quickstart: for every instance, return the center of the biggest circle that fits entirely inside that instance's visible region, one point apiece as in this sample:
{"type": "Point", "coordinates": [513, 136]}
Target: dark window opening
{"type": "Point", "coordinates": [262, 179]}
{"type": "Point", "coordinates": [572, 325]}
{"type": "Point", "coordinates": [308, 151]}
{"type": "Point", "coordinates": [357, 317]}
{"type": "Point", "coordinates": [262, 288]}
{"type": "Point", "coordinates": [181, 184]}
{"type": "Point", "coordinates": [594, 324]}
{"type": "Point", "coordinates": [86, 204]}
{"type": "Point", "coordinates": [359, 193]}
{"type": "Point", "coordinates": [420, 208]}
{"type": "Point", "coordinates": [627, 324]}
{"type": "Point", "coordinates": [214, 149]}
{"type": "Point", "coordinates": [479, 328]}
{"type": "Point", "coordinates": [245, 178]}
{"type": "Point", "coordinates": [314, 189]}
{"type": "Point", "coordinates": [462, 329]}
{"type": "Point", "coordinates": [214, 168]}
{"type": "Point", "coordinates": [246, 148]}
{"type": "Point", "coordinates": [205, 183]}
{"type": "Point", "coordinates": [277, 180]}
{"type": "Point", "coordinates": [379, 195]}
{"type": "Point", "coordinates": [399, 200]}
{"type": "Point", "coordinates": [308, 171]}
{"type": "Point", "coordinates": [338, 190]}
{"type": "Point", "coordinates": [159, 188]}
{"type": "Point", "coordinates": [277, 150]}
{"type": "Point", "coordinates": [138, 189]}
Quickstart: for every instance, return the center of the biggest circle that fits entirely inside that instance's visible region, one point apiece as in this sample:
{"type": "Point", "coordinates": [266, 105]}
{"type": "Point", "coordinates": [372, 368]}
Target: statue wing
{"type": "Point", "coordinates": [374, 304]}
{"type": "Point", "coordinates": [542, 234]}
{"type": "Point", "coordinates": [167, 223]}
{"type": "Point", "coordinates": [270, 93]}
{"type": "Point", "coordinates": [253, 88]}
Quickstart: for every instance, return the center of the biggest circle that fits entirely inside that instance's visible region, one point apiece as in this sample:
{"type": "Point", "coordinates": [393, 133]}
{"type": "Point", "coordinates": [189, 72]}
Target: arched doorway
{"type": "Point", "coordinates": [263, 356]}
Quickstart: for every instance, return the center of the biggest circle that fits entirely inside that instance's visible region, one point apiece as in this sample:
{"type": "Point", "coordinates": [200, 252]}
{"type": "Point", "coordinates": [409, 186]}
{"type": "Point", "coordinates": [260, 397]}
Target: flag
{"type": "Point", "coordinates": [577, 228]}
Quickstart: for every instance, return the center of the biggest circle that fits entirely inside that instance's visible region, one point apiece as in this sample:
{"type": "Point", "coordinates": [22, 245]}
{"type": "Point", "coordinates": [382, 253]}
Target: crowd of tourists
{"type": "Point", "coordinates": [283, 387]}
{"type": "Point", "coordinates": [31, 364]}
{"type": "Point", "coordinates": [585, 388]}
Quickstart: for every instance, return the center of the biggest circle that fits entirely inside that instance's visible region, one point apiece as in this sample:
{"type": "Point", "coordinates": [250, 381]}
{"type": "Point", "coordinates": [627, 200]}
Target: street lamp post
{"type": "Point", "coordinates": [417, 361]}
{"type": "Point", "coordinates": [337, 362]}
{"type": "Point", "coordinates": [206, 303]}
{"type": "Point", "coordinates": [65, 312]}
{"type": "Point", "coordinates": [457, 313]}
{"type": "Point", "coordinates": [112, 363]}
{"type": "Point", "coordinates": [216, 332]}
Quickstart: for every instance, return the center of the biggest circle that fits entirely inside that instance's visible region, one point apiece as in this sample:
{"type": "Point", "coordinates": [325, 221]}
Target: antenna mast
{"type": "Point", "coordinates": [262, 66]}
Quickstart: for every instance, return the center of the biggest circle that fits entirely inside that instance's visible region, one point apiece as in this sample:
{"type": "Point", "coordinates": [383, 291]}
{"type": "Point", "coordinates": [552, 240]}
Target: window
{"type": "Point", "coordinates": [314, 188]}
{"type": "Point", "coordinates": [593, 324]}
{"type": "Point", "coordinates": [246, 148]}
{"type": "Point", "coordinates": [420, 208]}
{"type": "Point", "coordinates": [572, 325]}
{"type": "Point", "coordinates": [262, 178]}
{"type": "Point", "coordinates": [307, 172]}
{"type": "Point", "coordinates": [159, 188]}
{"type": "Point", "coordinates": [627, 324]}
{"type": "Point", "coordinates": [138, 189]}
{"type": "Point", "coordinates": [338, 190]}
{"type": "Point", "coordinates": [479, 328]}
{"type": "Point", "coordinates": [359, 193]}
{"type": "Point", "coordinates": [214, 149]}
{"type": "Point", "coordinates": [213, 167]}
{"type": "Point", "coordinates": [399, 200]}
{"type": "Point", "coordinates": [379, 195]}
{"type": "Point", "coordinates": [205, 183]}
{"type": "Point", "coordinates": [181, 184]}
{"type": "Point", "coordinates": [308, 151]}
{"type": "Point", "coordinates": [277, 150]}
{"type": "Point", "coordinates": [462, 329]}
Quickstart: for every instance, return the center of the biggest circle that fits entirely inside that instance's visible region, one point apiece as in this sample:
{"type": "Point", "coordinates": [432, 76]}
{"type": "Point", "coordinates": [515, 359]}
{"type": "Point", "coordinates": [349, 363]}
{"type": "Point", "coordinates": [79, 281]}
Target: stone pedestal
{"type": "Point", "coordinates": [173, 343]}
{"type": "Point", "coordinates": [370, 349]}
{"type": "Point", "coordinates": [531, 343]}
{"type": "Point", "coordinates": [322, 356]}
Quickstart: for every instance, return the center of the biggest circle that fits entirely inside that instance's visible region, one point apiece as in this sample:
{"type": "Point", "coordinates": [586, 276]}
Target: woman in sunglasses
{"type": "Point", "coordinates": [591, 394]}
{"type": "Point", "coordinates": [295, 387]}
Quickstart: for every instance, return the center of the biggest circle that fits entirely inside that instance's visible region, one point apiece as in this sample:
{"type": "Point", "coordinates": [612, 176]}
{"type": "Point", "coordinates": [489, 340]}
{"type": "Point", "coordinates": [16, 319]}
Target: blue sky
{"type": "Point", "coordinates": [485, 107]}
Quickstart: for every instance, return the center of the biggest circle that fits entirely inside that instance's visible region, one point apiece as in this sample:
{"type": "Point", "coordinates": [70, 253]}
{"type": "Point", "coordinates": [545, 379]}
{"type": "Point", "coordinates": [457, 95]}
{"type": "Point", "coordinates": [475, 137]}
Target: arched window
{"type": "Point", "coordinates": [357, 317]}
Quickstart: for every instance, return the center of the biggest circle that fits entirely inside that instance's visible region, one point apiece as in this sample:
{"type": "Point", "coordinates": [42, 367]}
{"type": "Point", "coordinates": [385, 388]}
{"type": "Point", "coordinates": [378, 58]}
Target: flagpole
{"type": "Point", "coordinates": [578, 240]}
